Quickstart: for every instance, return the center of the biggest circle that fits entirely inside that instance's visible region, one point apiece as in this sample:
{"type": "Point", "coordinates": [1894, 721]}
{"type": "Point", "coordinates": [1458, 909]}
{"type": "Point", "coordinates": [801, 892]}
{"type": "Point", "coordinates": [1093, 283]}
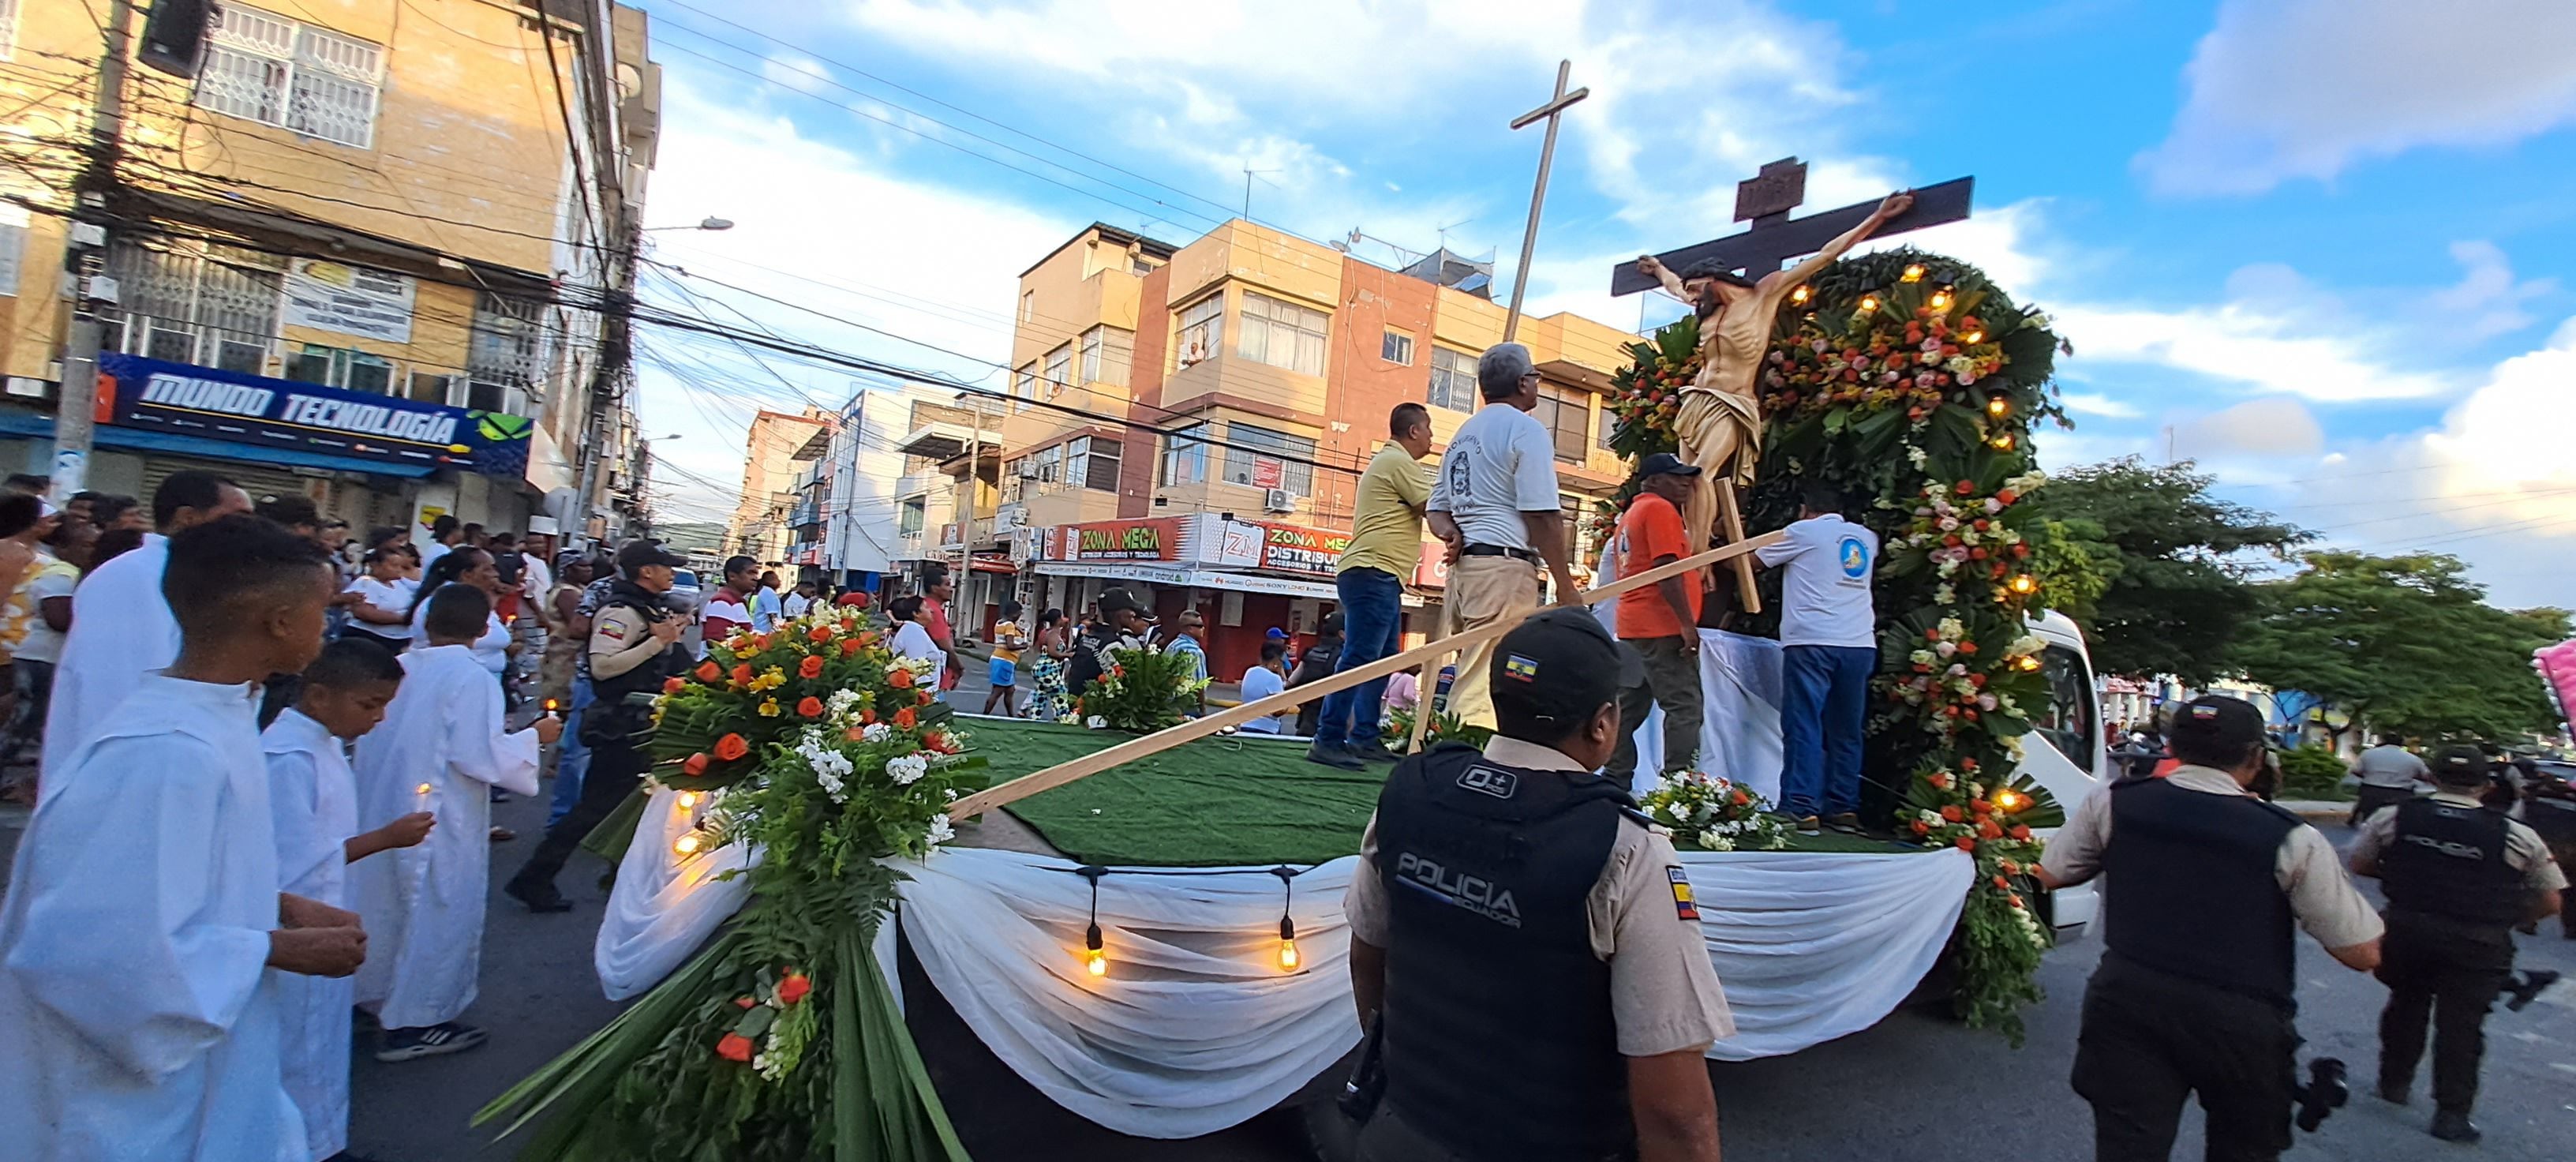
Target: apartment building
{"type": "Point", "coordinates": [780, 454]}
{"type": "Point", "coordinates": [1196, 417]}
{"type": "Point", "coordinates": [358, 254]}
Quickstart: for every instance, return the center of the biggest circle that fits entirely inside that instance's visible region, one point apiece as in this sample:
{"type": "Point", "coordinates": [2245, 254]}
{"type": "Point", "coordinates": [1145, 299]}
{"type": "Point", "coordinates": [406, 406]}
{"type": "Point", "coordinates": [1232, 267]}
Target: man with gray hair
{"type": "Point", "coordinates": [1496, 506]}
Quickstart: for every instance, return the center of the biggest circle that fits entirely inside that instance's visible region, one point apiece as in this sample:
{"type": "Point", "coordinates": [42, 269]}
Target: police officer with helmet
{"type": "Point", "coordinates": [2458, 877]}
{"type": "Point", "coordinates": [2203, 883]}
{"type": "Point", "coordinates": [1525, 948]}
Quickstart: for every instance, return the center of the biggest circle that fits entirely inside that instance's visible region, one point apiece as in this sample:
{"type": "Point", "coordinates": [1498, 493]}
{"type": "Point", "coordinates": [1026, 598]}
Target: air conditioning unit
{"type": "Point", "coordinates": [1278, 500]}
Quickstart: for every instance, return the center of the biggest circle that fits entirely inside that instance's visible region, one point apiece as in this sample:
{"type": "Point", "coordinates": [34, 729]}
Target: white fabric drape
{"type": "Point", "coordinates": [665, 904]}
{"type": "Point", "coordinates": [1739, 735]}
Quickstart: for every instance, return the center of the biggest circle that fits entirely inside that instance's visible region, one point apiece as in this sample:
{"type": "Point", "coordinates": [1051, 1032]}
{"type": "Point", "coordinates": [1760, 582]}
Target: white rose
{"type": "Point", "coordinates": [1993, 505]}
{"type": "Point", "coordinates": [941, 831]}
{"type": "Point", "coordinates": [1945, 648]}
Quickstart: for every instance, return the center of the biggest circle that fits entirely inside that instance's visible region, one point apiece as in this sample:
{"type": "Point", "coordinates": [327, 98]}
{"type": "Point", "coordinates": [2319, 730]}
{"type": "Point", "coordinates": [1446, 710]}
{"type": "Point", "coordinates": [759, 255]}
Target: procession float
{"type": "Point", "coordinates": [1138, 915]}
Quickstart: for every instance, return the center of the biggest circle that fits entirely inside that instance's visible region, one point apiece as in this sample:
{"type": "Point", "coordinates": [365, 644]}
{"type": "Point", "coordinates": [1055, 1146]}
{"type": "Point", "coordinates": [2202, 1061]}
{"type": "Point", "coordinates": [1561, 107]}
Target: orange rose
{"type": "Point", "coordinates": [850, 646]}
{"type": "Point", "coordinates": [1966, 844]}
{"type": "Point", "coordinates": [734, 1047]}
{"type": "Point", "coordinates": [867, 716]}
{"type": "Point", "coordinates": [731, 747]}
{"type": "Point", "coordinates": [1990, 829]}
{"type": "Point", "coordinates": [793, 987]}
{"type": "Point", "coordinates": [820, 633]}
{"type": "Point", "coordinates": [811, 707]}
{"type": "Point", "coordinates": [926, 697]}
{"type": "Point", "coordinates": [905, 718]}
{"type": "Point", "coordinates": [1922, 828]}
{"type": "Point", "coordinates": [695, 764]}
{"type": "Point", "coordinates": [2020, 831]}
{"type": "Point", "coordinates": [709, 671]}
{"type": "Point", "coordinates": [674, 685]}
{"type": "Point", "coordinates": [742, 675]}
{"type": "Point", "coordinates": [855, 733]}
{"type": "Point", "coordinates": [811, 667]}
{"type": "Point", "coordinates": [2002, 884]}
{"type": "Point", "coordinates": [1950, 812]}
{"type": "Point", "coordinates": [900, 679]}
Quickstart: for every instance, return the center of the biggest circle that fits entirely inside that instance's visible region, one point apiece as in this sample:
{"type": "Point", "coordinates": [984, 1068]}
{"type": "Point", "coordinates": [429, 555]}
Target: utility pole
{"type": "Point", "coordinates": [75, 412]}
{"type": "Point", "coordinates": [1553, 111]}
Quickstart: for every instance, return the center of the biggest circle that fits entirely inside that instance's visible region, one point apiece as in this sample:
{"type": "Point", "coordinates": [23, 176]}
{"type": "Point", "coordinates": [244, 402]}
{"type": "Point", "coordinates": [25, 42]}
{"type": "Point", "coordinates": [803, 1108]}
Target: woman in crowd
{"type": "Point", "coordinates": [383, 612]}
{"type": "Point", "coordinates": [563, 643]}
{"type": "Point", "coordinates": [1048, 700]}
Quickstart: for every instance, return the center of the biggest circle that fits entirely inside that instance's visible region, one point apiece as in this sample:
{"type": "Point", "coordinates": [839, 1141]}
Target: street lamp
{"type": "Point", "coordinates": [710, 222]}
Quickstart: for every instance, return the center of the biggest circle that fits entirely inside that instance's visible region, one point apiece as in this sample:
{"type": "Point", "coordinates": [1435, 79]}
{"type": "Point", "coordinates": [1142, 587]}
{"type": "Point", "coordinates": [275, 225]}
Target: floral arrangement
{"type": "Point", "coordinates": [1396, 730]}
{"type": "Point", "coordinates": [1714, 814]}
{"type": "Point", "coordinates": [1911, 383]}
{"type": "Point", "coordinates": [818, 747]}
{"type": "Point", "coordinates": [1145, 690]}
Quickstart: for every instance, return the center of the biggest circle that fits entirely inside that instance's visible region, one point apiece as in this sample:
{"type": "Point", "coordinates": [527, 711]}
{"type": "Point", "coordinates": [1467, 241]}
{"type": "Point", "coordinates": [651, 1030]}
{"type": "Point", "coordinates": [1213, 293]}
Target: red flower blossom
{"type": "Point", "coordinates": [2005, 497]}
{"type": "Point", "coordinates": [811, 707]}
{"type": "Point", "coordinates": [2001, 885]}
{"type": "Point", "coordinates": [742, 675]}
{"type": "Point", "coordinates": [1967, 647]}
{"type": "Point", "coordinates": [1969, 765]}
{"type": "Point", "coordinates": [731, 747]}
{"type": "Point", "coordinates": [925, 695]}
{"type": "Point", "coordinates": [1967, 488]}
{"type": "Point", "coordinates": [793, 987]}
{"type": "Point", "coordinates": [820, 633]}
{"type": "Point", "coordinates": [900, 679]}
{"type": "Point", "coordinates": [734, 1047]}
{"type": "Point", "coordinates": [674, 685]}
{"type": "Point", "coordinates": [1976, 554]}
{"type": "Point", "coordinates": [1990, 830]}
{"type": "Point", "coordinates": [811, 667]}
{"type": "Point", "coordinates": [695, 764]}
{"type": "Point", "coordinates": [709, 671]}
{"type": "Point", "coordinates": [1950, 812]}
{"type": "Point", "coordinates": [1922, 828]}
{"type": "Point", "coordinates": [905, 718]}
{"type": "Point", "coordinates": [850, 646]}
{"type": "Point", "coordinates": [855, 733]}
{"type": "Point", "coordinates": [1965, 844]}
{"type": "Point", "coordinates": [2020, 831]}
{"type": "Point", "coordinates": [744, 1002]}
{"type": "Point", "coordinates": [867, 716]}
{"type": "Point", "coordinates": [1980, 806]}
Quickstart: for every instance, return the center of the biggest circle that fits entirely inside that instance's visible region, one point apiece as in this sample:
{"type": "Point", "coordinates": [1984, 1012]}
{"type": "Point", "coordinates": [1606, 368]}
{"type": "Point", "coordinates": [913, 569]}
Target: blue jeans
{"type": "Point", "coordinates": [1824, 700]}
{"type": "Point", "coordinates": [1372, 624]}
{"type": "Point", "coordinates": [572, 759]}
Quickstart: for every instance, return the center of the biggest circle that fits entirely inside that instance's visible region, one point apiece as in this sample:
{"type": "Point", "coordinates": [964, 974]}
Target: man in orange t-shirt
{"type": "Point", "coordinates": [1659, 621]}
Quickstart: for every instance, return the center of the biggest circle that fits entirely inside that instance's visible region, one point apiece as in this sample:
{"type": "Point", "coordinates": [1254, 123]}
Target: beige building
{"type": "Point", "coordinates": [779, 455]}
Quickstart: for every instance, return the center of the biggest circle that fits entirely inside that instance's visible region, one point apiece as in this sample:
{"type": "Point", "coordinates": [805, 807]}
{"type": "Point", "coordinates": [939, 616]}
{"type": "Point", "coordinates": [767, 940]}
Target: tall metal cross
{"type": "Point", "coordinates": [1774, 238]}
{"type": "Point", "coordinates": [1552, 111]}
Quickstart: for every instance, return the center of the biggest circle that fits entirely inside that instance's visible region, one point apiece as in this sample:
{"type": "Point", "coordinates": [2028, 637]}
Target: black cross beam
{"type": "Point", "coordinates": [1775, 237]}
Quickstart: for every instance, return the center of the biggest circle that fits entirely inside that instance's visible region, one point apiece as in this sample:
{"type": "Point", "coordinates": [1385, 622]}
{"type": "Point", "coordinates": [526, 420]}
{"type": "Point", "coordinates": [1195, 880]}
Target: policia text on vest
{"type": "Point", "coordinates": [1525, 951]}
{"type": "Point", "coordinates": [2458, 876]}
{"type": "Point", "coordinates": [2204, 886]}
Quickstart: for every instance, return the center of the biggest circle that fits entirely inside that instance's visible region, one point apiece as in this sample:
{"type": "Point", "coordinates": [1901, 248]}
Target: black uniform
{"type": "Point", "coordinates": [2194, 994]}
{"type": "Point", "coordinates": [1499, 1040]}
{"type": "Point", "coordinates": [2452, 903]}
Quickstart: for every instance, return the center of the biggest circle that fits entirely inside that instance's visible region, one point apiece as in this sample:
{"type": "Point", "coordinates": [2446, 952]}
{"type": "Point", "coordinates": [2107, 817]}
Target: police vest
{"type": "Point", "coordinates": [648, 676]}
{"type": "Point", "coordinates": [2448, 860]}
{"type": "Point", "coordinates": [2192, 889]}
{"type": "Point", "coordinates": [1499, 1040]}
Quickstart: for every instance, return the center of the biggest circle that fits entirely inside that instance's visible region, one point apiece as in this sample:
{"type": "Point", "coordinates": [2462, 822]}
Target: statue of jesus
{"type": "Point", "coordinates": [1720, 423]}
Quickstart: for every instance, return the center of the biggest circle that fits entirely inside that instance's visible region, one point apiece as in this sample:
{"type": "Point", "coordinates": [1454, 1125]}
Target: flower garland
{"type": "Point", "coordinates": [1144, 690]}
{"type": "Point", "coordinates": [1911, 383]}
{"type": "Point", "coordinates": [1714, 814]}
{"type": "Point", "coordinates": [815, 745]}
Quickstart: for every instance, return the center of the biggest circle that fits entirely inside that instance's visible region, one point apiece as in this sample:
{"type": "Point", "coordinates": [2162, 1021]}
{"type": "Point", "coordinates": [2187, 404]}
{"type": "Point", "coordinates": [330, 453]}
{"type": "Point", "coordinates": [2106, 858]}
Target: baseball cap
{"type": "Point", "coordinates": [2215, 728]}
{"type": "Point", "coordinates": [1558, 667]}
{"type": "Point", "coordinates": [2459, 765]}
{"type": "Point", "coordinates": [1665, 464]}
{"type": "Point", "coordinates": [635, 555]}
{"type": "Point", "coordinates": [1275, 634]}
{"type": "Point", "coordinates": [1119, 597]}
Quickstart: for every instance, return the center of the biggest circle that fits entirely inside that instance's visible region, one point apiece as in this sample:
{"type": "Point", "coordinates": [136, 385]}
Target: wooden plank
{"type": "Point", "coordinates": [1198, 728]}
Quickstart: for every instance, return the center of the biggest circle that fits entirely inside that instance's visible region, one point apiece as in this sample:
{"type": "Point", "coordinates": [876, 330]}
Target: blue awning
{"type": "Point", "coordinates": [112, 436]}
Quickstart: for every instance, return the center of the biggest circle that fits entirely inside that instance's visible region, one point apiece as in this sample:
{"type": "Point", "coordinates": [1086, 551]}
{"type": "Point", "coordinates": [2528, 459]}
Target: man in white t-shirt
{"type": "Point", "coordinates": [1829, 635]}
{"type": "Point", "coordinates": [1495, 504]}
{"type": "Point", "coordinates": [1264, 680]}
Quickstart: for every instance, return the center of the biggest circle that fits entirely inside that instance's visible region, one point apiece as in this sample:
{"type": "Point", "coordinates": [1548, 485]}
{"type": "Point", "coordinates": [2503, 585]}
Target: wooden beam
{"type": "Point", "coordinates": [1198, 728]}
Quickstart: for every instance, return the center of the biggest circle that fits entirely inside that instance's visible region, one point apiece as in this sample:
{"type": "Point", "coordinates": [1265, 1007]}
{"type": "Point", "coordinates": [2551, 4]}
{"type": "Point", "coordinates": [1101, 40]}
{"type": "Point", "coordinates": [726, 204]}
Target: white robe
{"type": "Point", "coordinates": [491, 651]}
{"type": "Point", "coordinates": [121, 630]}
{"type": "Point", "coordinates": [313, 798]}
{"type": "Point", "coordinates": [424, 905]}
{"type": "Point", "coordinates": [137, 1012]}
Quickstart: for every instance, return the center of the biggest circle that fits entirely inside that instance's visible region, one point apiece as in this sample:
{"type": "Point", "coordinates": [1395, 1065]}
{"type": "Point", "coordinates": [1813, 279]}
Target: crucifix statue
{"type": "Point", "coordinates": [1735, 285]}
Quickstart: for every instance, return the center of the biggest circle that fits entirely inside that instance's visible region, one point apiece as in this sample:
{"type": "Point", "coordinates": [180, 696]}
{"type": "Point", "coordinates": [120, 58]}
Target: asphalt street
{"type": "Point", "coordinates": [1918, 1086]}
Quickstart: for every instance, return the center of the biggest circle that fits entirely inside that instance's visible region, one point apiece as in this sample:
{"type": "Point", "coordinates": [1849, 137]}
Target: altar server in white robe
{"type": "Point", "coordinates": [442, 748]}
{"type": "Point", "coordinates": [121, 626]}
{"type": "Point", "coordinates": [144, 932]}
{"type": "Point", "coordinates": [313, 796]}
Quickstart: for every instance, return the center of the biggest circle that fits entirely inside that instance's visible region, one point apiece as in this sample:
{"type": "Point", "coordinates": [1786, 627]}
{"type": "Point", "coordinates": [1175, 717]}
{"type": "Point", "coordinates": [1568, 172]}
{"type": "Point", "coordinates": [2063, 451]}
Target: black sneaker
{"type": "Point", "coordinates": [1374, 751]}
{"type": "Point", "coordinates": [539, 897]}
{"type": "Point", "coordinates": [2453, 1126]}
{"type": "Point", "coordinates": [1807, 825]}
{"type": "Point", "coordinates": [1847, 822]}
{"type": "Point", "coordinates": [429, 1041]}
{"type": "Point", "coordinates": [2396, 1093]}
{"type": "Point", "coordinates": [1334, 756]}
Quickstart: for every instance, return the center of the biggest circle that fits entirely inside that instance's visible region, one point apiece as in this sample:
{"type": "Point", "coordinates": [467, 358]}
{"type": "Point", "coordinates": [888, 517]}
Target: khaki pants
{"type": "Point", "coordinates": [1484, 590]}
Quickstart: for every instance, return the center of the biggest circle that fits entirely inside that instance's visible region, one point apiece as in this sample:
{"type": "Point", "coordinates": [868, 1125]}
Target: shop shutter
{"type": "Point", "coordinates": [256, 479]}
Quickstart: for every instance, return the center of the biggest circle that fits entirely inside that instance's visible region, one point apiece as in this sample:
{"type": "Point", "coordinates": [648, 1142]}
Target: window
{"type": "Point", "coordinates": [1092, 464]}
{"type": "Point", "coordinates": [13, 218]}
{"type": "Point", "coordinates": [1567, 417]}
{"type": "Point", "coordinates": [1140, 266]}
{"type": "Point", "coordinates": [341, 367]}
{"type": "Point", "coordinates": [1048, 464]}
{"type": "Point", "coordinates": [1106, 353]}
{"type": "Point", "coordinates": [911, 518]}
{"type": "Point", "coordinates": [1247, 460]}
{"type": "Point", "coordinates": [1184, 456]}
{"type": "Point", "coordinates": [214, 306]}
{"type": "Point", "coordinates": [1024, 384]}
{"type": "Point", "coordinates": [2066, 720]}
{"type": "Point", "coordinates": [1453, 380]}
{"type": "Point", "coordinates": [1396, 348]}
{"type": "Point", "coordinates": [8, 32]}
{"type": "Point", "coordinates": [1283, 334]}
{"type": "Point", "coordinates": [1202, 328]}
{"type": "Point", "coordinates": [1609, 427]}
{"type": "Point", "coordinates": [1059, 368]}
{"type": "Point", "coordinates": [1028, 305]}
{"type": "Point", "coordinates": [278, 72]}
{"type": "Point", "coordinates": [431, 387]}
{"type": "Point", "coordinates": [510, 354]}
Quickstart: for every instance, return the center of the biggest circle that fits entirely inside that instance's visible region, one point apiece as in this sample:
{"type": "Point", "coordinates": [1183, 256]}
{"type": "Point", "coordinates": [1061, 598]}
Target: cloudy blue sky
{"type": "Point", "coordinates": [2322, 247]}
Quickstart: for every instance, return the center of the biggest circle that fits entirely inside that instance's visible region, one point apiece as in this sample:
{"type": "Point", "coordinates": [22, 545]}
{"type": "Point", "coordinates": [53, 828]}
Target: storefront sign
{"type": "Point", "coordinates": [1157, 539]}
{"type": "Point", "coordinates": [1268, 473]}
{"type": "Point", "coordinates": [1431, 571]}
{"type": "Point", "coordinates": [1297, 549]}
{"type": "Point", "coordinates": [275, 413]}
{"type": "Point", "coordinates": [352, 300]}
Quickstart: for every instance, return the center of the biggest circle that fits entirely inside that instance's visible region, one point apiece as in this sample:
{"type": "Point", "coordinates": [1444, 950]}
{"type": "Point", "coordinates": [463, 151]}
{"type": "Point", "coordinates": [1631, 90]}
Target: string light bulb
{"type": "Point", "coordinates": [2009, 800]}
{"type": "Point", "coordinates": [1799, 296]}
{"type": "Point", "coordinates": [1999, 407]}
{"type": "Point", "coordinates": [1940, 300]}
{"type": "Point", "coordinates": [2027, 662]}
{"type": "Point", "coordinates": [1913, 272]}
{"type": "Point", "coordinates": [1868, 303]}
{"type": "Point", "coordinates": [687, 844]}
{"type": "Point", "coordinates": [1095, 959]}
{"type": "Point", "coordinates": [2002, 443]}
{"type": "Point", "coordinates": [1972, 337]}
{"type": "Point", "coordinates": [1287, 946]}
{"type": "Point", "coordinates": [2025, 584]}
{"type": "Point", "coordinates": [688, 800]}
{"type": "Point", "coordinates": [1288, 958]}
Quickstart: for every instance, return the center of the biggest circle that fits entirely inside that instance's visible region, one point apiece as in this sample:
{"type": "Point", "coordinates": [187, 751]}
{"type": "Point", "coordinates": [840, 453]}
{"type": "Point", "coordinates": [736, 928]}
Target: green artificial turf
{"type": "Point", "coordinates": [1237, 800]}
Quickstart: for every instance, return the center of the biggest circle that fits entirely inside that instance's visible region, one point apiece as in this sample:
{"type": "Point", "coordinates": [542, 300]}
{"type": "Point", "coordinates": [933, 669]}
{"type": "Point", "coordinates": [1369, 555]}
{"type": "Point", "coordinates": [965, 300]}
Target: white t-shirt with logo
{"type": "Point", "coordinates": [1502, 463]}
{"type": "Point", "coordinates": [1824, 598]}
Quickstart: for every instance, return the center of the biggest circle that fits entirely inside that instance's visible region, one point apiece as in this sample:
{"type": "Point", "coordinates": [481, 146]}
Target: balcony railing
{"type": "Point", "coordinates": [807, 513]}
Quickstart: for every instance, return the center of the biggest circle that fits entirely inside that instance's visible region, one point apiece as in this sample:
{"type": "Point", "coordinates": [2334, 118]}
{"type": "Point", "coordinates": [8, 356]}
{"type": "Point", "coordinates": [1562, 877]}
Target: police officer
{"type": "Point", "coordinates": [1523, 943]}
{"type": "Point", "coordinates": [634, 646]}
{"type": "Point", "coordinates": [2202, 885]}
{"type": "Point", "coordinates": [2458, 877]}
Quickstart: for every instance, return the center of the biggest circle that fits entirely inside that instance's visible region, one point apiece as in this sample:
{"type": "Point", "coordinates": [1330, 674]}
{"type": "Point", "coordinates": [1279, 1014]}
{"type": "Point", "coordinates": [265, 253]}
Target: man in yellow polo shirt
{"type": "Point", "coordinates": [1386, 541]}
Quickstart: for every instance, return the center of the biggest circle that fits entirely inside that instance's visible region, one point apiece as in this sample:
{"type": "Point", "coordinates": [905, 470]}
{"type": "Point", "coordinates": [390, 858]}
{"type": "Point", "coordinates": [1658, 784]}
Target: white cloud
{"type": "Point", "coordinates": [2090, 403]}
{"type": "Point", "coordinates": [2289, 89]}
{"type": "Point", "coordinates": [2267, 428]}
{"type": "Point", "coordinates": [797, 71]}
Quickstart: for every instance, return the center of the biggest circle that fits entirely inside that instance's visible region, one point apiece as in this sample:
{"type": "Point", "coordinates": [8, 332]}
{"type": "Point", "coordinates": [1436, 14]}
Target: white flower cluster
{"type": "Point", "coordinates": [842, 703]}
{"type": "Point", "coordinates": [1714, 813]}
{"type": "Point", "coordinates": [832, 769]}
{"type": "Point", "coordinates": [768, 1066]}
{"type": "Point", "coordinates": [1096, 722]}
{"type": "Point", "coordinates": [875, 732]}
{"type": "Point", "coordinates": [906, 770]}
{"type": "Point", "coordinates": [921, 667]}
{"type": "Point", "coordinates": [2027, 481]}
{"type": "Point", "coordinates": [2028, 924]}
{"type": "Point", "coordinates": [941, 831]}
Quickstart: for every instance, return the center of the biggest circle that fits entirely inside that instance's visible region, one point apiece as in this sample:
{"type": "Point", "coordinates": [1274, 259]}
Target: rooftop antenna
{"type": "Point", "coordinates": [1444, 231]}
{"type": "Point", "coordinates": [1248, 171]}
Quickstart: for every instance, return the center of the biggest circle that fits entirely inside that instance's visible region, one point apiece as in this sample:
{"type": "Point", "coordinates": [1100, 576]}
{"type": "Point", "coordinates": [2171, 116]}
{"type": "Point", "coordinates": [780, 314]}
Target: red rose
{"type": "Point", "coordinates": [734, 1047]}
{"type": "Point", "coordinates": [1922, 828]}
{"type": "Point", "coordinates": [742, 675]}
{"type": "Point", "coordinates": [905, 718]}
{"type": "Point", "coordinates": [1967, 647]}
{"type": "Point", "coordinates": [1965, 843]}
{"type": "Point", "coordinates": [1989, 829]}
{"type": "Point", "coordinates": [731, 747]}
{"type": "Point", "coordinates": [900, 679]}
{"type": "Point", "coordinates": [850, 646]}
{"type": "Point", "coordinates": [855, 734]}
{"type": "Point", "coordinates": [1977, 680]}
{"type": "Point", "coordinates": [673, 685]}
{"type": "Point", "coordinates": [744, 1002]}
{"type": "Point", "coordinates": [2001, 885]}
{"type": "Point", "coordinates": [2021, 551]}
{"type": "Point", "coordinates": [695, 764]}
{"type": "Point", "coordinates": [1966, 488]}
{"type": "Point", "coordinates": [811, 707]}
{"type": "Point", "coordinates": [1968, 764]}
{"type": "Point", "coordinates": [811, 667]}
{"type": "Point", "coordinates": [793, 987]}
{"type": "Point", "coordinates": [1980, 806]}
{"type": "Point", "coordinates": [820, 633]}
{"type": "Point", "coordinates": [1980, 526]}
{"type": "Point", "coordinates": [1952, 541]}
{"type": "Point", "coordinates": [2006, 496]}
{"type": "Point", "coordinates": [1950, 812]}
{"type": "Point", "coordinates": [867, 716]}
{"type": "Point", "coordinates": [709, 671]}
{"type": "Point", "coordinates": [1976, 554]}
{"type": "Point", "coordinates": [2020, 831]}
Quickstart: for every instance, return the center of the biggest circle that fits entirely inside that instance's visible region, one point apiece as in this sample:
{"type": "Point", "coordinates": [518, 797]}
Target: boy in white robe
{"type": "Point", "coordinates": [442, 748]}
{"type": "Point", "coordinates": [122, 627]}
{"type": "Point", "coordinates": [144, 930]}
{"type": "Point", "coordinates": [313, 797]}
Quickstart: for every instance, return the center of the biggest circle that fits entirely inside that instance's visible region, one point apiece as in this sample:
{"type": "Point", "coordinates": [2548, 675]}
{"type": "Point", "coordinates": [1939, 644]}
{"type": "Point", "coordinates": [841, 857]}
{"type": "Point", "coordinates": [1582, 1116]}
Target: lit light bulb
{"type": "Point", "coordinates": [1940, 300]}
{"type": "Point", "coordinates": [1973, 337]}
{"type": "Point", "coordinates": [2028, 662]}
{"type": "Point", "coordinates": [1869, 302]}
{"type": "Point", "coordinates": [1998, 407]}
{"type": "Point", "coordinates": [687, 844]}
{"type": "Point", "coordinates": [2024, 583]}
{"type": "Point", "coordinates": [1287, 956]}
{"type": "Point", "coordinates": [2003, 442]}
{"type": "Point", "coordinates": [1914, 272]}
{"type": "Point", "coordinates": [1095, 960]}
{"type": "Point", "coordinates": [2009, 800]}
{"type": "Point", "coordinates": [1799, 295]}
{"type": "Point", "coordinates": [688, 800]}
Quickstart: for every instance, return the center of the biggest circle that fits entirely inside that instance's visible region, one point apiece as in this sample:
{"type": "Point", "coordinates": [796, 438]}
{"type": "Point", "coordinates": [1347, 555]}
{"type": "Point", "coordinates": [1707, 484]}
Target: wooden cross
{"type": "Point", "coordinates": [1774, 238]}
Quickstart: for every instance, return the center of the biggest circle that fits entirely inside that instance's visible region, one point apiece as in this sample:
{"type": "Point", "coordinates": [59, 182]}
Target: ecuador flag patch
{"type": "Point", "coordinates": [1683, 905]}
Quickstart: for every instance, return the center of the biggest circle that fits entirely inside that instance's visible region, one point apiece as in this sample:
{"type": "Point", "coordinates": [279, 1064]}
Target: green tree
{"type": "Point", "coordinates": [2405, 643]}
{"type": "Point", "coordinates": [2172, 563]}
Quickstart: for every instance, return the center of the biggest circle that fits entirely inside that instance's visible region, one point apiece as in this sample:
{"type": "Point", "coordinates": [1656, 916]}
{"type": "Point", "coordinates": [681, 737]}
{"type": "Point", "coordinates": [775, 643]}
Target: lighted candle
{"type": "Point", "coordinates": [422, 793]}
